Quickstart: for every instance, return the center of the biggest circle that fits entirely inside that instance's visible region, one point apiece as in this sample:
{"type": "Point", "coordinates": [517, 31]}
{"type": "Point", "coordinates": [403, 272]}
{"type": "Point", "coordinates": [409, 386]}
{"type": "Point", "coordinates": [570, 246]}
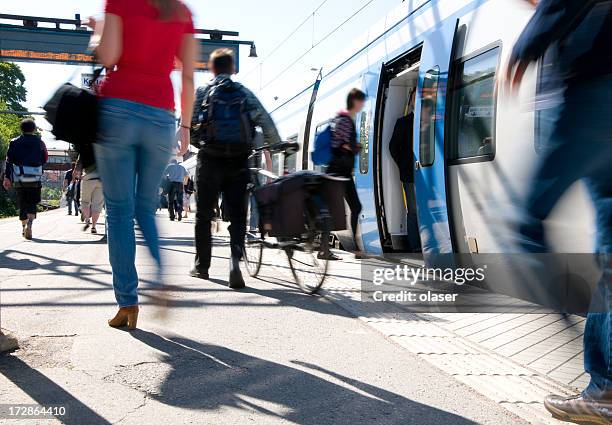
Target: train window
{"type": "Point", "coordinates": [472, 124]}
{"type": "Point", "coordinates": [364, 140]}
{"type": "Point", "coordinates": [429, 99]}
{"type": "Point", "coordinates": [291, 161]}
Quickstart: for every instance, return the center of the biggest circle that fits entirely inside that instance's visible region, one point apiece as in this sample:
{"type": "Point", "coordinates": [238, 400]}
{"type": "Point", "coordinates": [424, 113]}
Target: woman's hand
{"type": "Point", "coordinates": [184, 138]}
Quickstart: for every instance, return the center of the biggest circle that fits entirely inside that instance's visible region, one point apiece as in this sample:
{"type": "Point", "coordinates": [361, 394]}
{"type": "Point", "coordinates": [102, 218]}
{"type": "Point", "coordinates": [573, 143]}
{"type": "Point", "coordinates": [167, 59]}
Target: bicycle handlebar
{"type": "Point", "coordinates": [288, 148]}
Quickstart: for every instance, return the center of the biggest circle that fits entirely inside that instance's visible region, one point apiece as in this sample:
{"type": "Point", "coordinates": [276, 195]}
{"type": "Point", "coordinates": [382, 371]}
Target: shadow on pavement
{"type": "Point", "coordinates": [209, 377]}
{"type": "Point", "coordinates": [47, 393]}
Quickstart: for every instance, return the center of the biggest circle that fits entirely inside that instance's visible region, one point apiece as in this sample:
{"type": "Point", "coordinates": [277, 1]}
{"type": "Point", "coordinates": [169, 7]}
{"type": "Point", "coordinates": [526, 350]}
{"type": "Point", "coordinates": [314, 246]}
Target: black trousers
{"type": "Point", "coordinates": [175, 199]}
{"type": "Point", "coordinates": [214, 177]}
{"type": "Point", "coordinates": [28, 199]}
{"type": "Point", "coordinates": [352, 199]}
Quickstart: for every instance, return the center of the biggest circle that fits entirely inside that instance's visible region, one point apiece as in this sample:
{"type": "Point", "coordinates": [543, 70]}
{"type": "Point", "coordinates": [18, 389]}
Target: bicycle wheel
{"type": "Point", "coordinates": [309, 260]}
{"type": "Point", "coordinates": [253, 244]}
{"type": "Point", "coordinates": [253, 253]}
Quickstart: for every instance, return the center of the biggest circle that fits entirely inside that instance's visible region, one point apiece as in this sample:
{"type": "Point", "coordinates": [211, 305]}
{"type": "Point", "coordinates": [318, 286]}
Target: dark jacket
{"type": "Point", "coordinates": [401, 147]}
{"type": "Point", "coordinates": [26, 150]}
{"type": "Point", "coordinates": [580, 32]}
{"type": "Point", "coordinates": [344, 132]}
{"type": "Point", "coordinates": [257, 113]}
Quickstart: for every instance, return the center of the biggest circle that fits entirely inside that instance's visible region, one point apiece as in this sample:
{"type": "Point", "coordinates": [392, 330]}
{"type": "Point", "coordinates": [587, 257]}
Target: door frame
{"type": "Point", "coordinates": [389, 71]}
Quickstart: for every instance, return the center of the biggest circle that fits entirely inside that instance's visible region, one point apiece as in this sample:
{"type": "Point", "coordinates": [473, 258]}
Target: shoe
{"type": "Point", "coordinates": [579, 409]}
{"type": "Point", "coordinates": [27, 232]}
{"type": "Point", "coordinates": [236, 281]}
{"type": "Point", "coordinates": [86, 227]}
{"type": "Point", "coordinates": [198, 274]}
{"type": "Point", "coordinates": [126, 317]}
{"type": "Point", "coordinates": [94, 231]}
{"type": "Point", "coordinates": [171, 219]}
{"type": "Point", "coordinates": [330, 256]}
{"type": "Point", "coordinates": [180, 218]}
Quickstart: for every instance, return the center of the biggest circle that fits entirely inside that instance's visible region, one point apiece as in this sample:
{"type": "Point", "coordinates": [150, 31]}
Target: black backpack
{"type": "Point", "coordinates": [224, 127]}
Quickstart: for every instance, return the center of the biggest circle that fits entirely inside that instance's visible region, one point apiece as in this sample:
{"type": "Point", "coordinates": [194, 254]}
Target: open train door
{"type": "Point", "coordinates": [429, 132]}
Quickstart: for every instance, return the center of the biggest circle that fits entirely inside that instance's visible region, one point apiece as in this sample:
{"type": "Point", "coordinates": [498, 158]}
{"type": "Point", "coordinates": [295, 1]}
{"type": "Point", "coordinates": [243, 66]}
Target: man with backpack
{"type": "Point", "coordinates": [24, 169]}
{"type": "Point", "coordinates": [338, 144]}
{"type": "Point", "coordinates": [226, 115]}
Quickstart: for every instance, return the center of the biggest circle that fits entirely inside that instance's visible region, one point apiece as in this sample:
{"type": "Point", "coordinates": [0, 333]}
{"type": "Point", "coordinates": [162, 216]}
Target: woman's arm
{"type": "Point", "coordinates": [107, 39]}
{"type": "Point", "coordinates": [187, 56]}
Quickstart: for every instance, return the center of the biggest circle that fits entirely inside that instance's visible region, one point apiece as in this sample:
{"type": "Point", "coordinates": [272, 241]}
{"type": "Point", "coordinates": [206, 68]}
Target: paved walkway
{"type": "Point", "coordinates": [265, 355]}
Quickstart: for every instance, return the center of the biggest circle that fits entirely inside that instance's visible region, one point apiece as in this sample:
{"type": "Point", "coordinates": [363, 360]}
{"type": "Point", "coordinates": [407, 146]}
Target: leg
{"type": "Point", "coordinates": [69, 201]}
{"type": "Point", "coordinates": [171, 202]}
{"type": "Point", "coordinates": [116, 146]}
{"type": "Point", "coordinates": [352, 199]}
{"type": "Point", "coordinates": [179, 201]}
{"type": "Point", "coordinates": [235, 199]}
{"type": "Point", "coordinates": [155, 149]}
{"type": "Point", "coordinates": [97, 203]}
{"type": "Point", "coordinates": [598, 332]}
{"type": "Point", "coordinates": [207, 197]}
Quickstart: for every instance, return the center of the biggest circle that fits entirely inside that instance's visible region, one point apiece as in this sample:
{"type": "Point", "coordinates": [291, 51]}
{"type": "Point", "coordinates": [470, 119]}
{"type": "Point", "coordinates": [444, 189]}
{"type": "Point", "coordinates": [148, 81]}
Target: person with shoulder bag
{"type": "Point", "coordinates": [226, 115]}
{"type": "Point", "coordinates": [25, 158]}
{"type": "Point", "coordinates": [138, 42]}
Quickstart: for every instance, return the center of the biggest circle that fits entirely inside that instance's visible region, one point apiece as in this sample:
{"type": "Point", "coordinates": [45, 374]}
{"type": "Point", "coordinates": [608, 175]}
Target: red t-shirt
{"type": "Point", "coordinates": [150, 46]}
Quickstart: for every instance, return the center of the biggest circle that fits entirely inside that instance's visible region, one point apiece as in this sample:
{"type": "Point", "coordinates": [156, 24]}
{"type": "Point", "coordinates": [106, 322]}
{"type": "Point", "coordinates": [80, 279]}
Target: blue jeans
{"type": "Point", "coordinates": [133, 148]}
{"type": "Point", "coordinates": [581, 149]}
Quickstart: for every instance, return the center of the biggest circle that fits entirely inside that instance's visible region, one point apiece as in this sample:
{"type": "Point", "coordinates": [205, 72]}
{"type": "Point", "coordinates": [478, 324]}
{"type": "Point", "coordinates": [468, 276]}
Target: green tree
{"type": "Point", "coordinates": [12, 86]}
{"type": "Point", "coordinates": [12, 94]}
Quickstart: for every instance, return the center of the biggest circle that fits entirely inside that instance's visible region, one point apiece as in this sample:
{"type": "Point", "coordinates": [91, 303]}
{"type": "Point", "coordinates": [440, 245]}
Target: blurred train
{"type": "Point", "coordinates": [474, 161]}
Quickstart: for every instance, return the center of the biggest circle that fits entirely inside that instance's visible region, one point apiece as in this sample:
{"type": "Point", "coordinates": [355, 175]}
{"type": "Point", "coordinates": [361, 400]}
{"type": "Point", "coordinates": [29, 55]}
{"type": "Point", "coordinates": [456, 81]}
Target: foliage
{"type": "Point", "coordinates": [12, 94]}
{"type": "Point", "coordinates": [7, 206]}
{"type": "Point", "coordinates": [51, 193]}
{"type": "Point", "coordinates": [12, 86]}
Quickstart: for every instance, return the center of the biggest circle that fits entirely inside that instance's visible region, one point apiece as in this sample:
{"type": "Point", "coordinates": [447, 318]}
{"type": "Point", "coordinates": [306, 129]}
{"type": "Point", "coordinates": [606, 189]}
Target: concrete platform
{"type": "Point", "coordinates": [265, 355]}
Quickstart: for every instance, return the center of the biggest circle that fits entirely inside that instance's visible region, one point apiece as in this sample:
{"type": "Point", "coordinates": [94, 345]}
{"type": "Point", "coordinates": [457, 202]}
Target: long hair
{"type": "Point", "coordinates": [167, 8]}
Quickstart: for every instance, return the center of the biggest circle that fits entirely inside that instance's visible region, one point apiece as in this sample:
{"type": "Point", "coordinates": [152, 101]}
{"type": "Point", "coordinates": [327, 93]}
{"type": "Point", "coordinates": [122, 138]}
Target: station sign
{"type": "Point", "coordinates": [70, 47]}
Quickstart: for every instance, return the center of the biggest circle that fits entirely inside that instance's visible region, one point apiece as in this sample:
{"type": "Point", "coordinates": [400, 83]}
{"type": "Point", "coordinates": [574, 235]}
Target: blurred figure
{"type": "Point", "coordinates": [225, 138]}
{"type": "Point", "coordinates": [189, 190]}
{"type": "Point", "coordinates": [92, 196]}
{"type": "Point", "coordinates": [77, 192]}
{"type": "Point", "coordinates": [344, 149]}
{"type": "Point", "coordinates": [25, 158]}
{"type": "Point", "coordinates": [68, 188]}
{"type": "Point", "coordinates": [138, 42]}
{"type": "Point", "coordinates": [176, 175]}
{"type": "Point", "coordinates": [580, 33]}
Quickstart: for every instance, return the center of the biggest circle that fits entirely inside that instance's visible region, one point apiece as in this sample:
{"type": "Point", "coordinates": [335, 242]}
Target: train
{"type": "Point", "coordinates": [474, 164]}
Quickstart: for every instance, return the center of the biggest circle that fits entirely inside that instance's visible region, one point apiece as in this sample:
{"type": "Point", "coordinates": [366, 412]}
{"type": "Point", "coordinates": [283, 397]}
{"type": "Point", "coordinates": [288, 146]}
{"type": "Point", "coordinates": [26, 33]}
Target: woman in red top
{"type": "Point", "coordinates": [138, 42]}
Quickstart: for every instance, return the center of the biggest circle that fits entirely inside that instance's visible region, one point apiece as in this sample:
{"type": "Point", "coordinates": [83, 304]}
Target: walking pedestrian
{"type": "Point", "coordinates": [225, 119]}
{"type": "Point", "coordinates": [139, 41]}
{"type": "Point", "coordinates": [189, 190]}
{"type": "Point", "coordinates": [176, 175]}
{"type": "Point", "coordinates": [25, 158]}
{"type": "Point", "coordinates": [580, 148]}
{"type": "Point", "coordinates": [68, 187]}
{"type": "Point", "coordinates": [345, 147]}
{"type": "Point", "coordinates": [92, 196]}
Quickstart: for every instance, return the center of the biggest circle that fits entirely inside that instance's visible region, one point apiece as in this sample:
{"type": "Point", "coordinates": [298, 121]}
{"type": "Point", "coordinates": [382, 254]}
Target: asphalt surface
{"type": "Point", "coordinates": [264, 355]}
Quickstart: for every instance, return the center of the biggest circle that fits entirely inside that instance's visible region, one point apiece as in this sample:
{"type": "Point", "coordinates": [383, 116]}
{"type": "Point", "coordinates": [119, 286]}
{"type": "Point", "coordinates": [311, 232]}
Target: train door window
{"type": "Point", "coordinates": [364, 141]}
{"type": "Point", "coordinates": [429, 100]}
{"type": "Point", "coordinates": [472, 123]}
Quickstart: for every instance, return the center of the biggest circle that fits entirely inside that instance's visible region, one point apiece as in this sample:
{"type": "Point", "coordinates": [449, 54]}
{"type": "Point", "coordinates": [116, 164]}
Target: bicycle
{"type": "Point", "coordinates": [307, 252]}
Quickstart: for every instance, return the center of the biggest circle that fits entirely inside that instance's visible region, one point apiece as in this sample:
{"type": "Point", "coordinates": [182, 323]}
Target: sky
{"type": "Point", "coordinates": [266, 22]}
